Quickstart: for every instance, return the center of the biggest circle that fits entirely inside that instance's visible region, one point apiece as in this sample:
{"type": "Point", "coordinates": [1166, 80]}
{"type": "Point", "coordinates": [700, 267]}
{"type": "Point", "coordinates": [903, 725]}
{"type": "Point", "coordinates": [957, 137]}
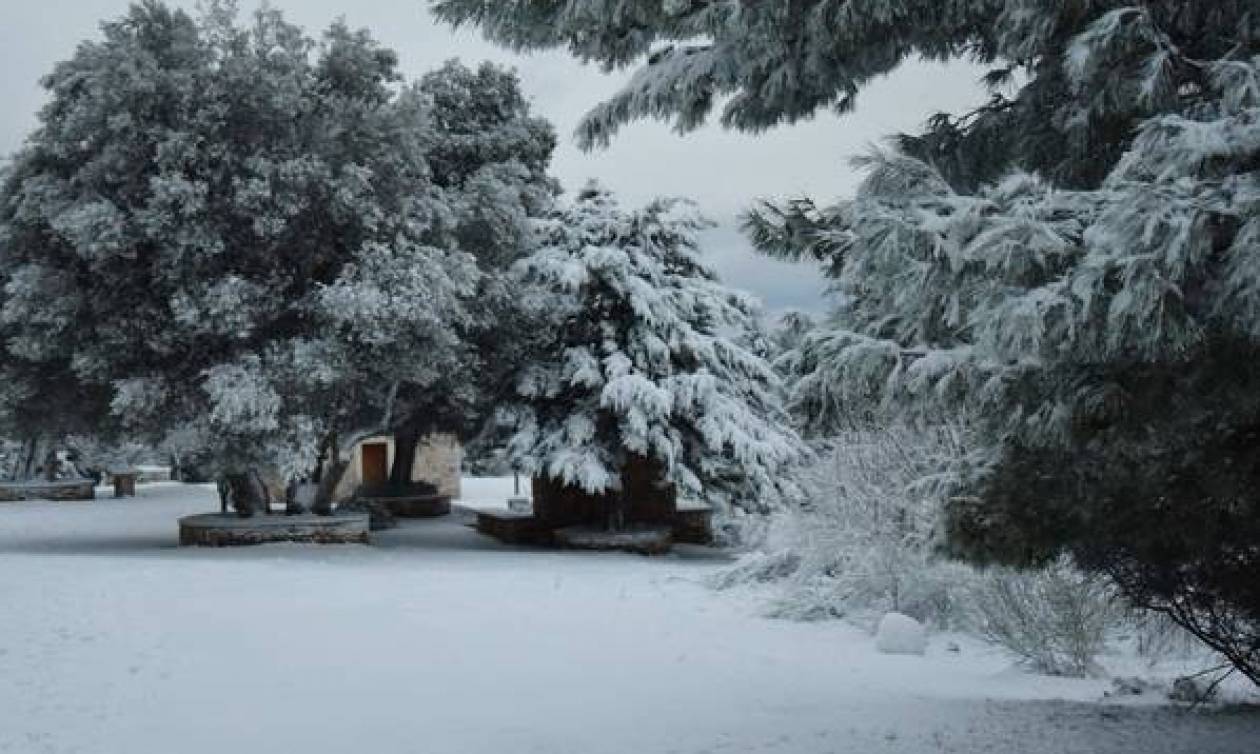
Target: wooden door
{"type": "Point", "coordinates": [374, 471]}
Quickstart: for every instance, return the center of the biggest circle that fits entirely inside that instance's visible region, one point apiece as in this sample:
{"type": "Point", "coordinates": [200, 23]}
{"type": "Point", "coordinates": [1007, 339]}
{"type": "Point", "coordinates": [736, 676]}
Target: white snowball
{"type": "Point", "coordinates": [900, 635]}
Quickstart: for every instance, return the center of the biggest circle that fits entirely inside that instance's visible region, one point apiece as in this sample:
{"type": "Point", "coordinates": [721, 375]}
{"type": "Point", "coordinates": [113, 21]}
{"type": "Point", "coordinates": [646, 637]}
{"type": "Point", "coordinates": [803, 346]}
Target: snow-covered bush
{"type": "Point", "coordinates": [1055, 620]}
{"type": "Point", "coordinates": [865, 542]}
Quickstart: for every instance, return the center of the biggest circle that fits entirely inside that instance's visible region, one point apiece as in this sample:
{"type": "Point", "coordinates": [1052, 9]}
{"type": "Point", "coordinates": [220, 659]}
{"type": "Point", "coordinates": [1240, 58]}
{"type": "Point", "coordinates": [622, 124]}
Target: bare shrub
{"type": "Point", "coordinates": [1156, 637]}
{"type": "Point", "coordinates": [1055, 621]}
{"type": "Point", "coordinates": [866, 540]}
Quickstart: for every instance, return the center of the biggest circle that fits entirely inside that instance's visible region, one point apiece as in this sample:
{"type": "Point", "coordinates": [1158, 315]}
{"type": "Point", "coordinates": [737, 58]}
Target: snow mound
{"type": "Point", "coordinates": [900, 635]}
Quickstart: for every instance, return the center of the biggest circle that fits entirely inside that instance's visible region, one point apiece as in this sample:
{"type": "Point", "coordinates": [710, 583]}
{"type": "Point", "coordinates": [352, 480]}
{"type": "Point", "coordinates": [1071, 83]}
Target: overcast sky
{"type": "Point", "coordinates": [721, 170]}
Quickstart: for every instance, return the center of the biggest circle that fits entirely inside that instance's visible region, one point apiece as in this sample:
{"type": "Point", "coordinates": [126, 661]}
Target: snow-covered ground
{"type": "Point", "coordinates": [436, 640]}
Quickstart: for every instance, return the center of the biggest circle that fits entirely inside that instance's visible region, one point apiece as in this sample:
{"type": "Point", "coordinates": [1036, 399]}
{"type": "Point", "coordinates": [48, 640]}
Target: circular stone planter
{"type": "Point", "coordinates": [412, 506]}
{"type": "Point", "coordinates": [230, 530]}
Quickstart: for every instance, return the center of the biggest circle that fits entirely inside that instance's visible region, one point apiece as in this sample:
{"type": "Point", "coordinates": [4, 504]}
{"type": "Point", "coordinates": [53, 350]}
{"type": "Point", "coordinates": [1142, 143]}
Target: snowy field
{"type": "Point", "coordinates": [436, 640]}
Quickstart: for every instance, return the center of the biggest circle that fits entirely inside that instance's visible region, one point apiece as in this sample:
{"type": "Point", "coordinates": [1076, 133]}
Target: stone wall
{"type": "Point", "coordinates": [439, 459]}
{"type": "Point", "coordinates": [75, 489]}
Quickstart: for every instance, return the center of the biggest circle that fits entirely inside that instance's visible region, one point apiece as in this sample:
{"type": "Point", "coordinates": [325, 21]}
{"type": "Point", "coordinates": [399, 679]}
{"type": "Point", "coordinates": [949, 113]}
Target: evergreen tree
{"type": "Point", "coordinates": [239, 231]}
{"type": "Point", "coordinates": [438, 368]}
{"type": "Point", "coordinates": [1075, 263]}
{"type": "Point", "coordinates": [792, 329]}
{"type": "Point", "coordinates": [1085, 72]}
{"type": "Point", "coordinates": [641, 358]}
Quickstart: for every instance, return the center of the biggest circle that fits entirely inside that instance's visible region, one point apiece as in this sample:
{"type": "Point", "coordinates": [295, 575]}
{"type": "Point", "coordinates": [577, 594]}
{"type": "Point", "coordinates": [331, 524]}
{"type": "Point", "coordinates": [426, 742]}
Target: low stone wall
{"type": "Point", "coordinates": [72, 489]}
{"type": "Point", "coordinates": [379, 517]}
{"type": "Point", "coordinates": [513, 528]}
{"type": "Point", "coordinates": [413, 506]}
{"type": "Point", "coordinates": [643, 540]}
{"type": "Point", "coordinates": [228, 530]}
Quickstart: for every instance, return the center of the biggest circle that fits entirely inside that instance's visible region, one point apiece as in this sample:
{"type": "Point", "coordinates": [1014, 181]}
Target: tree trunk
{"type": "Point", "coordinates": [617, 515]}
{"type": "Point", "coordinates": [291, 505]}
{"type": "Point", "coordinates": [620, 510]}
{"type": "Point", "coordinates": [28, 465]}
{"type": "Point", "coordinates": [264, 492]}
{"type": "Point", "coordinates": [329, 472]}
{"type": "Point", "coordinates": [51, 463]}
{"type": "Point", "coordinates": [406, 441]}
{"type": "Point", "coordinates": [243, 494]}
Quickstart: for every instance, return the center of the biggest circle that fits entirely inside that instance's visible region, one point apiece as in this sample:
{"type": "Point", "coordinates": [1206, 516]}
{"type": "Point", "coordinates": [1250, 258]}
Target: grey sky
{"type": "Point", "coordinates": [722, 170]}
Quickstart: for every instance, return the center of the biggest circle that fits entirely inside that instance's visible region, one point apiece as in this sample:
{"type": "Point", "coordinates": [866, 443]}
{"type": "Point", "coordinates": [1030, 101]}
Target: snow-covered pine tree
{"type": "Point", "coordinates": [1074, 262]}
{"type": "Point", "coordinates": [641, 364]}
{"type": "Point", "coordinates": [789, 332]}
{"type": "Point", "coordinates": [1085, 72]}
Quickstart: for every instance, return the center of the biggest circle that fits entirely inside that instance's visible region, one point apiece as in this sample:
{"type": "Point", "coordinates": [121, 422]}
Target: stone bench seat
{"type": "Point", "coordinates": [512, 527]}
{"type": "Point", "coordinates": [61, 489]}
{"type": "Point", "coordinates": [642, 540]}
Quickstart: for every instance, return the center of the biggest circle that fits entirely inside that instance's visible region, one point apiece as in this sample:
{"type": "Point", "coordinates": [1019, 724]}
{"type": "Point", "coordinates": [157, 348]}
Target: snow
{"type": "Point", "coordinates": [492, 493]}
{"type": "Point", "coordinates": [435, 639]}
{"type": "Point", "coordinates": [900, 635]}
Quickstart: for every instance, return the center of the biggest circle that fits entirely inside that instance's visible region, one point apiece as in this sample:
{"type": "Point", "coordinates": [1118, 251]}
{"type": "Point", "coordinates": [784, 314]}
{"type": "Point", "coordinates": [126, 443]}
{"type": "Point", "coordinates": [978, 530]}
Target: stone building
{"type": "Point", "coordinates": [438, 461]}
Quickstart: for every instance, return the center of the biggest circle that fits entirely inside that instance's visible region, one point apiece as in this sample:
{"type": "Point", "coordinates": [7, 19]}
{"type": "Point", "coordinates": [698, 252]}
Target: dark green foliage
{"type": "Point", "coordinates": [1167, 507]}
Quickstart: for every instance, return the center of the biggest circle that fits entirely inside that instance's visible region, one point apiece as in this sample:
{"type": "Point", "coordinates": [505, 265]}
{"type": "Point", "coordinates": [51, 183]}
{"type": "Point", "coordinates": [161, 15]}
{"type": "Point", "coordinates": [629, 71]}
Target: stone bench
{"type": "Point", "coordinates": [62, 489]}
{"type": "Point", "coordinates": [512, 527]}
{"type": "Point", "coordinates": [642, 540]}
{"type": "Point", "coordinates": [124, 482]}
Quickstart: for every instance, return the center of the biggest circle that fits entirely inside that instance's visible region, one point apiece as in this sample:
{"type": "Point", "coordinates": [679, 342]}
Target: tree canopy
{"type": "Point", "coordinates": [264, 236]}
{"type": "Point", "coordinates": [1084, 73]}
